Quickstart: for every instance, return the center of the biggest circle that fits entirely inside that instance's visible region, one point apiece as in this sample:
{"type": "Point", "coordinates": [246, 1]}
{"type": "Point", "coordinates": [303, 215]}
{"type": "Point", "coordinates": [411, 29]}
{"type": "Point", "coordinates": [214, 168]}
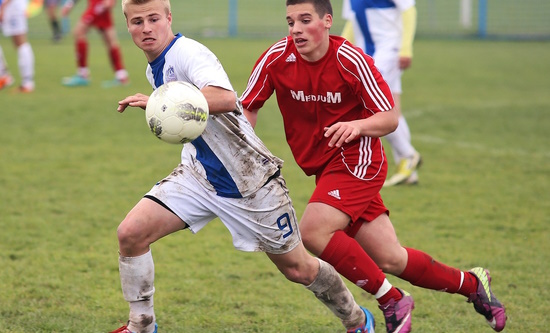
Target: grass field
{"type": "Point", "coordinates": [71, 167]}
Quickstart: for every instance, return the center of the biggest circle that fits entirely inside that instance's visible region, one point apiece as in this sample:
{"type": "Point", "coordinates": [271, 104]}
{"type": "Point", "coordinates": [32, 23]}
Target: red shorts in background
{"type": "Point", "coordinates": [97, 16]}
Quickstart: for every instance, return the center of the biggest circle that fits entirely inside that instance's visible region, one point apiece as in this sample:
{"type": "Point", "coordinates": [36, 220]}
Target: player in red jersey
{"type": "Point", "coordinates": [335, 107]}
{"type": "Point", "coordinates": [98, 15]}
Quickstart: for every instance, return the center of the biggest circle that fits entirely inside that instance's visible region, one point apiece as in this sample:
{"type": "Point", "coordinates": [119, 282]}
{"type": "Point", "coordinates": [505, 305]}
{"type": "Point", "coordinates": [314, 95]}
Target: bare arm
{"type": "Point", "coordinates": [377, 125]}
{"type": "Point", "coordinates": [219, 100]}
{"type": "Point", "coordinates": [252, 116]}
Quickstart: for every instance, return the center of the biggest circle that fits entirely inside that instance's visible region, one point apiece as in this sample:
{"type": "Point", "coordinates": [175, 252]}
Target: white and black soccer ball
{"type": "Point", "coordinates": [177, 112]}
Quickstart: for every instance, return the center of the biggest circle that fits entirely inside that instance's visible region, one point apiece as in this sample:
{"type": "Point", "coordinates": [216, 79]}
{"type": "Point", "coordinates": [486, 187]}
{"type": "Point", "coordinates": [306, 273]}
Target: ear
{"type": "Point", "coordinates": [328, 21]}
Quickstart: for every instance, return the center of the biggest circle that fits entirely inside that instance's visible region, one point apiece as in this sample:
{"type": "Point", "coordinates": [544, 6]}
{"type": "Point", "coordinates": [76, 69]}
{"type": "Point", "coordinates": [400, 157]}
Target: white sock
{"type": "Point", "coordinates": [83, 72]}
{"type": "Point", "coordinates": [3, 63]}
{"type": "Point", "coordinates": [330, 289]}
{"type": "Point", "coordinates": [25, 59]}
{"type": "Point", "coordinates": [121, 74]}
{"type": "Point", "coordinates": [400, 141]}
{"type": "Point", "coordinates": [384, 288]}
{"type": "Point", "coordinates": [137, 275]}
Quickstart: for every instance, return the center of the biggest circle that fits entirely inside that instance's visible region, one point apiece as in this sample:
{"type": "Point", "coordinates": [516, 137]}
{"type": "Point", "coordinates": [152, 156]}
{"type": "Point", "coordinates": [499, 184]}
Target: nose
{"type": "Point", "coordinates": [146, 27]}
{"type": "Point", "coordinates": [295, 29]}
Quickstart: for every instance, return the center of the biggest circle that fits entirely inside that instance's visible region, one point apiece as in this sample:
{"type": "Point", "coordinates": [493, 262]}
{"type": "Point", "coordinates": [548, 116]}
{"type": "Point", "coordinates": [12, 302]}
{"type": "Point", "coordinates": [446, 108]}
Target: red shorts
{"type": "Point", "coordinates": [101, 19]}
{"type": "Point", "coordinates": [359, 198]}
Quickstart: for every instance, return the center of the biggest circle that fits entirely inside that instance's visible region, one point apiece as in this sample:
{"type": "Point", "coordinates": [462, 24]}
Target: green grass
{"type": "Point", "coordinates": [71, 167]}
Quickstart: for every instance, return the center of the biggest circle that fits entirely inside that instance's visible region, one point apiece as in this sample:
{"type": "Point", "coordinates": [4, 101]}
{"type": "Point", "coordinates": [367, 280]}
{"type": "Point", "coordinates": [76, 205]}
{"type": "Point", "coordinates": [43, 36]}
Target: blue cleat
{"type": "Point", "coordinates": [369, 324]}
{"type": "Point", "coordinates": [115, 83]}
{"type": "Point", "coordinates": [75, 81]}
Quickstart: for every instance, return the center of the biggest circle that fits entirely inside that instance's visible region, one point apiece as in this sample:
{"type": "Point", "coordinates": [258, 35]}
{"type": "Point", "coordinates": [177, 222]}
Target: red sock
{"type": "Point", "coordinates": [116, 58]}
{"type": "Point", "coordinates": [82, 53]}
{"type": "Point", "coordinates": [350, 260]}
{"type": "Point", "coordinates": [423, 271]}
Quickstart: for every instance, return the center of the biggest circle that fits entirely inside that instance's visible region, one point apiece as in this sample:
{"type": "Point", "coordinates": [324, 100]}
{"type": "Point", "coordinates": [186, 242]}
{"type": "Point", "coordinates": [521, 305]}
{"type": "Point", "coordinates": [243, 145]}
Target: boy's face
{"type": "Point", "coordinates": [150, 27]}
{"type": "Point", "coordinates": [309, 31]}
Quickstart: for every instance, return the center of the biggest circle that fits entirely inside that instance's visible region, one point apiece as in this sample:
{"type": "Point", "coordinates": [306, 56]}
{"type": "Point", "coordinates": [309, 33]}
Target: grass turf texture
{"type": "Point", "coordinates": [71, 167]}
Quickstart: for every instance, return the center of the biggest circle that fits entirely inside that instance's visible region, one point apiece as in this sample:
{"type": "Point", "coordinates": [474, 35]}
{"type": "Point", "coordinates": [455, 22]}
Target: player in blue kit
{"type": "Point", "coordinates": [227, 172]}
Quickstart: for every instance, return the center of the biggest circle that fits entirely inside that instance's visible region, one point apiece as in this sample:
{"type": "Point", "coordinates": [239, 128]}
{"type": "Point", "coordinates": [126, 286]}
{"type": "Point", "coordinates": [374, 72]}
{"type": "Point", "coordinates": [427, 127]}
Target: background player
{"type": "Point", "coordinates": [98, 14]}
{"type": "Point", "coordinates": [14, 24]}
{"type": "Point", "coordinates": [59, 28]}
{"type": "Point", "coordinates": [227, 172]}
{"type": "Point", "coordinates": [6, 79]}
{"type": "Point", "coordinates": [385, 30]}
{"type": "Point", "coordinates": [333, 123]}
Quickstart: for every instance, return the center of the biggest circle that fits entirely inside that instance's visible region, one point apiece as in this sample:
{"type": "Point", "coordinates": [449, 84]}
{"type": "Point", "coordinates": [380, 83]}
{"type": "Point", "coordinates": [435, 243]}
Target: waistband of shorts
{"type": "Point", "coordinates": [273, 176]}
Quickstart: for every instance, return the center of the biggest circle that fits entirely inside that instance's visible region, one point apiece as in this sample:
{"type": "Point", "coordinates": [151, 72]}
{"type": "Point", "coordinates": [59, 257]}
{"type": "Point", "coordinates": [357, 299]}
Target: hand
{"type": "Point", "coordinates": [343, 132]}
{"type": "Point", "coordinates": [137, 100]}
{"type": "Point", "coordinates": [405, 62]}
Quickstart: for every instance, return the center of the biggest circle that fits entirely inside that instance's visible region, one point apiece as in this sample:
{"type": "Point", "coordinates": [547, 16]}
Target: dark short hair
{"type": "Point", "coordinates": [322, 7]}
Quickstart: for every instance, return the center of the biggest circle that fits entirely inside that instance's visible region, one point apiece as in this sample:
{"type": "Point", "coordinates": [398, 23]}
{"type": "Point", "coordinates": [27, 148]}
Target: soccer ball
{"type": "Point", "coordinates": [177, 112]}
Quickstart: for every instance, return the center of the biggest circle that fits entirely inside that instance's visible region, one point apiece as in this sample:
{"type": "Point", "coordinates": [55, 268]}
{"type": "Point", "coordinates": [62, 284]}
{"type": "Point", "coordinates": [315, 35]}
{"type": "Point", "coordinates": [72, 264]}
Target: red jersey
{"type": "Point", "coordinates": [342, 86]}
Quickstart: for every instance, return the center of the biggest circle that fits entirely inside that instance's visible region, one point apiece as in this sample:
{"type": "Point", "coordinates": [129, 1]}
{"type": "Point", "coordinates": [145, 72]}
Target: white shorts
{"type": "Point", "coordinates": [387, 62]}
{"type": "Point", "coordinates": [14, 21]}
{"type": "Point", "coordinates": [264, 221]}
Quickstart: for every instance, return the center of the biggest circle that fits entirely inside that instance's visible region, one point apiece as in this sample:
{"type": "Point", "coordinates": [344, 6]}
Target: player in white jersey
{"type": "Point", "coordinates": [6, 79]}
{"type": "Point", "coordinates": [13, 20]}
{"type": "Point", "coordinates": [385, 30]}
{"type": "Point", "coordinates": [227, 172]}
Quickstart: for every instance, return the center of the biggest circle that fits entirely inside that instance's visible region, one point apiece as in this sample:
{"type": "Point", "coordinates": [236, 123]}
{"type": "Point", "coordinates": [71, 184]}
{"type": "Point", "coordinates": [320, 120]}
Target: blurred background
{"type": "Point", "coordinates": [496, 19]}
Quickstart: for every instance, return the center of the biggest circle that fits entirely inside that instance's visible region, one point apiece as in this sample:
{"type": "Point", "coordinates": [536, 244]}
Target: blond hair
{"type": "Point", "coordinates": [142, 2]}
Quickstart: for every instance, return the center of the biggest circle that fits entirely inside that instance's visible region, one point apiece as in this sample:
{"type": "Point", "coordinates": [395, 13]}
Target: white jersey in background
{"type": "Point", "coordinates": [14, 20]}
{"type": "Point", "coordinates": [216, 155]}
{"type": "Point", "coordinates": [380, 18]}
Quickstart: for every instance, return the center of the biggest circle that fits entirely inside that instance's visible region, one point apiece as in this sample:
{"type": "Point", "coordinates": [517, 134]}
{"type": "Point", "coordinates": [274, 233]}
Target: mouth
{"type": "Point", "coordinates": [300, 41]}
{"type": "Point", "coordinates": [148, 40]}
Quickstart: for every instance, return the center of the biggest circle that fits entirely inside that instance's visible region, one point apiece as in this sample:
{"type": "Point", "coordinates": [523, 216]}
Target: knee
{"type": "Point", "coordinates": [299, 274]}
{"type": "Point", "coordinates": [393, 264]}
{"type": "Point", "coordinates": [309, 236]}
{"type": "Point", "coordinates": [292, 274]}
{"type": "Point", "coordinates": [130, 237]}
{"type": "Point", "coordinates": [79, 33]}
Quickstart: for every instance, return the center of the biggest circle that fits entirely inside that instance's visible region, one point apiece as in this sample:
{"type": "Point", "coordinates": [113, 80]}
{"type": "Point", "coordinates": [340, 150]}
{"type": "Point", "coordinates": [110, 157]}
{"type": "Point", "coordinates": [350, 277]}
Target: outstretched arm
{"type": "Point", "coordinates": [220, 100]}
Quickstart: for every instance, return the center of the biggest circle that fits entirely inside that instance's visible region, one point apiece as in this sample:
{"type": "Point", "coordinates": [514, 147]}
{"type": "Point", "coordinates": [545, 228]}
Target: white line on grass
{"type": "Point", "coordinates": [479, 147]}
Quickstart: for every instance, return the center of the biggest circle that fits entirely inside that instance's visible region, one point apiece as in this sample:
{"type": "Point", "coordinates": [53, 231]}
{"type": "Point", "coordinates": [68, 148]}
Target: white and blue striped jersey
{"type": "Point", "coordinates": [379, 22]}
{"type": "Point", "coordinates": [228, 157]}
